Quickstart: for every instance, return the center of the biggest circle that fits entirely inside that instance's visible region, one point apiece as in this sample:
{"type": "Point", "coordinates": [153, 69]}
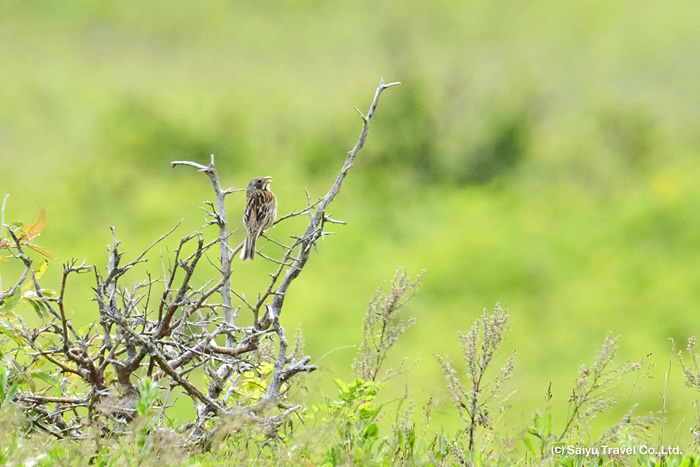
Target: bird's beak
{"type": "Point", "coordinates": [268, 179]}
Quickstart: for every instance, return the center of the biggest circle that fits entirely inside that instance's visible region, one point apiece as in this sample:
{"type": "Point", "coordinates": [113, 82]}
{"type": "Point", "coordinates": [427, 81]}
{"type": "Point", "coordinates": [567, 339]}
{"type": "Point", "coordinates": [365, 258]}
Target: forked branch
{"type": "Point", "coordinates": [317, 219]}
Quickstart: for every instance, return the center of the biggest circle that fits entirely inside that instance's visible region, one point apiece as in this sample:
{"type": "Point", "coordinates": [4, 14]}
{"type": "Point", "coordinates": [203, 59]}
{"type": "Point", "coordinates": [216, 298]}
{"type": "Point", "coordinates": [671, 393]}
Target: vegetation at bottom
{"type": "Point", "coordinates": [355, 425]}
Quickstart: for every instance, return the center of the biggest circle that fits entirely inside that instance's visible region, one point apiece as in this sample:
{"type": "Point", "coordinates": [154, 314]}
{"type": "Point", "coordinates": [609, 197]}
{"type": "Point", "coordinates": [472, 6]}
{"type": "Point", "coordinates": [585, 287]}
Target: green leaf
{"type": "Point", "coordinates": [10, 394]}
{"type": "Point", "coordinates": [371, 431]}
{"type": "Point", "coordinates": [9, 330]}
{"type": "Point", "coordinates": [9, 304]}
{"type": "Point", "coordinates": [529, 446]}
{"type": "Point", "coordinates": [45, 377]}
{"type": "Point", "coordinates": [39, 308]}
{"type": "Point", "coordinates": [537, 421]}
{"type": "Point", "coordinates": [341, 385]}
{"type": "Point", "coordinates": [18, 368]}
{"type": "Point", "coordinates": [4, 378]}
{"type": "Point", "coordinates": [43, 266]}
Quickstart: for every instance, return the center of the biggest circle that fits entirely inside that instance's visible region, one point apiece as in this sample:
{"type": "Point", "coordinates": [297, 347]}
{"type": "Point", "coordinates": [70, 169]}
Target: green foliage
{"type": "Point", "coordinates": [358, 433]}
{"type": "Point", "coordinates": [500, 152]}
{"type": "Point", "coordinates": [541, 430]}
{"type": "Point", "coordinates": [8, 387]}
{"type": "Point", "coordinates": [148, 391]}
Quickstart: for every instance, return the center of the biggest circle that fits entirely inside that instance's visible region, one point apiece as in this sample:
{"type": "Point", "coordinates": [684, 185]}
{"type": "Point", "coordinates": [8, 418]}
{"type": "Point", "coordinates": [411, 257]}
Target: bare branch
{"type": "Point", "coordinates": [315, 229]}
{"type": "Point", "coordinates": [67, 269]}
{"type": "Point", "coordinates": [222, 223]}
{"type": "Point", "coordinates": [2, 214]}
{"type": "Point", "coordinates": [27, 266]}
{"type": "Point", "coordinates": [282, 372]}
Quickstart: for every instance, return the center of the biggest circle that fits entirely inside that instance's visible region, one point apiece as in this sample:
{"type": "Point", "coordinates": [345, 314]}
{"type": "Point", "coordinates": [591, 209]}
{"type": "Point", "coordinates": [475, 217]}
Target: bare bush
{"type": "Point", "coordinates": [159, 331]}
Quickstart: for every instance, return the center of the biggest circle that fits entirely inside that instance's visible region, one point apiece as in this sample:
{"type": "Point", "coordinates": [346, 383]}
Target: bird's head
{"type": "Point", "coordinates": [260, 183]}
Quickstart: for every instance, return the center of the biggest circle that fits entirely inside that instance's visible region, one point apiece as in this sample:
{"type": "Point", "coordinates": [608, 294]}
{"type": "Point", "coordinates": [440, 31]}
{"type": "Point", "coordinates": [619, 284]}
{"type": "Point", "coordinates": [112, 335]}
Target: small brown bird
{"type": "Point", "coordinates": [260, 213]}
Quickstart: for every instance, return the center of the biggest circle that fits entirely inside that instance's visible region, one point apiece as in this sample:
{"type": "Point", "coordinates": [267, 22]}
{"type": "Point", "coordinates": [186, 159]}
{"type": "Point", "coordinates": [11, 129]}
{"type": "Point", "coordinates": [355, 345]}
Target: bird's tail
{"type": "Point", "coordinates": [248, 250]}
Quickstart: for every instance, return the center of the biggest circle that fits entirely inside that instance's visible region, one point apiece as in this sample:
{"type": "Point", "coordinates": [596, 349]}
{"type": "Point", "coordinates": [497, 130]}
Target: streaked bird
{"type": "Point", "coordinates": [259, 214]}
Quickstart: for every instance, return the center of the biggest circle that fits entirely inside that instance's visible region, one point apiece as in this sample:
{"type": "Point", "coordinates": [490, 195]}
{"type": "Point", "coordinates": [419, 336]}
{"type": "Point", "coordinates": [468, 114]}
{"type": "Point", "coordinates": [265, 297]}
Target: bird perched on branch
{"type": "Point", "coordinates": [260, 213]}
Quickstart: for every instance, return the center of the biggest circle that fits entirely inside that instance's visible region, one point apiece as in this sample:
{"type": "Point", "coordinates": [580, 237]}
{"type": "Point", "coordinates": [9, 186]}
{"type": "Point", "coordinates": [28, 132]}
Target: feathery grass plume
{"type": "Point", "coordinates": [299, 343]}
{"type": "Point", "coordinates": [691, 371]}
{"type": "Point", "coordinates": [591, 394]}
{"type": "Point", "coordinates": [479, 346]}
{"type": "Point", "coordinates": [382, 328]}
{"type": "Point", "coordinates": [403, 443]}
{"type": "Point", "coordinates": [630, 430]}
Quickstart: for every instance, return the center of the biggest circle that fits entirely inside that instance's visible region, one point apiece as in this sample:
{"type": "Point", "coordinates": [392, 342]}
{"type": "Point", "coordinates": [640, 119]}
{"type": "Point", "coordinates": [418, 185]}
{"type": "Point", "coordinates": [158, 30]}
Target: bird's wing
{"type": "Point", "coordinates": [250, 214]}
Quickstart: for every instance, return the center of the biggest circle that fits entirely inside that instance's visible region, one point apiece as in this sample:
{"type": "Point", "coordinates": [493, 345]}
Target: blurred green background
{"type": "Point", "coordinates": [539, 154]}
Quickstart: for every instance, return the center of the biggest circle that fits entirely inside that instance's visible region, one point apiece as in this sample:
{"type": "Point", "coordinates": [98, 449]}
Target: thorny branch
{"type": "Point", "coordinates": [219, 216]}
{"type": "Point", "coordinates": [27, 267]}
{"type": "Point", "coordinates": [315, 227]}
{"type": "Point", "coordinates": [313, 232]}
